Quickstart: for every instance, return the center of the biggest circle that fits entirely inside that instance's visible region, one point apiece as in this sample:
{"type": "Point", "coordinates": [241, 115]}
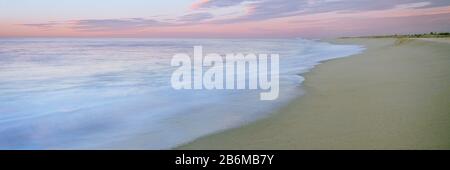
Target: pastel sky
{"type": "Point", "coordinates": [221, 18]}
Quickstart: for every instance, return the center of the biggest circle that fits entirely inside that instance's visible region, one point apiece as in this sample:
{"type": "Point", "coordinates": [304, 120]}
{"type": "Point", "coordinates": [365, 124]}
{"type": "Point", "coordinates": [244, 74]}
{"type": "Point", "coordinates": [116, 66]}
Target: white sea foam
{"type": "Point", "coordinates": [100, 93]}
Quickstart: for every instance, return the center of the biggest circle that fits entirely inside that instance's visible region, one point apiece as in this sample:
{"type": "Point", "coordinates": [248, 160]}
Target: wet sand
{"type": "Point", "coordinates": [395, 95]}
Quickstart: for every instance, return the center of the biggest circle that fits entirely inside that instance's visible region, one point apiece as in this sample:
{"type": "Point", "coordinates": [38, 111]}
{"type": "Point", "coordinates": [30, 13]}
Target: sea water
{"type": "Point", "coordinates": [77, 93]}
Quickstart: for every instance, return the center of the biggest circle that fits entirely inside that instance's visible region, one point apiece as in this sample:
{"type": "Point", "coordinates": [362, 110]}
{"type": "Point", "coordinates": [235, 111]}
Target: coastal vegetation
{"type": "Point", "coordinates": [425, 35]}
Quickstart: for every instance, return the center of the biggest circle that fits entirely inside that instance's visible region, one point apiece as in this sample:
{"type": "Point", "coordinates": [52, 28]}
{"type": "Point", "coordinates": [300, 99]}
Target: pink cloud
{"type": "Point", "coordinates": [258, 21]}
{"type": "Point", "coordinates": [198, 4]}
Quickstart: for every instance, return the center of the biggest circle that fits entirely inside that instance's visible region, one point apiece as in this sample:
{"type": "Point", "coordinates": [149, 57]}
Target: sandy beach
{"type": "Point", "coordinates": [395, 95]}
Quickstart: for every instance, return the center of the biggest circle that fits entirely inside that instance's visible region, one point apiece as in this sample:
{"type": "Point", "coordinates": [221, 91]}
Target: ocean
{"type": "Point", "coordinates": [115, 93]}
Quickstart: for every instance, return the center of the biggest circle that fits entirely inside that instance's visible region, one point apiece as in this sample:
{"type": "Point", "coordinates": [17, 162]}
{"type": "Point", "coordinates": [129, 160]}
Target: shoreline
{"type": "Point", "coordinates": [370, 100]}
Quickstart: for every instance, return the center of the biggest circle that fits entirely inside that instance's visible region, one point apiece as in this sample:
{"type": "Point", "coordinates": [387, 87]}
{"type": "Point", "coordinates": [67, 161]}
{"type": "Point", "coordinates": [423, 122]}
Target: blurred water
{"type": "Point", "coordinates": [116, 93]}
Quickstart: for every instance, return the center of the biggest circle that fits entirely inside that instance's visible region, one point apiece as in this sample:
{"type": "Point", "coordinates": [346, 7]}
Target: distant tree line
{"type": "Point", "coordinates": [426, 35]}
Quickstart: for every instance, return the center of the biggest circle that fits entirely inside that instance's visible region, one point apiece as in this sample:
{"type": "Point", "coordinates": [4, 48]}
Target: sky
{"type": "Point", "coordinates": [221, 18]}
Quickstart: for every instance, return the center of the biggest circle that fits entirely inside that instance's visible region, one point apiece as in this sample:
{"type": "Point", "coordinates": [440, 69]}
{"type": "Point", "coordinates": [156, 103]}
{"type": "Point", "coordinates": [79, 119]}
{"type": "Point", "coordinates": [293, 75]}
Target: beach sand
{"type": "Point", "coordinates": [395, 95]}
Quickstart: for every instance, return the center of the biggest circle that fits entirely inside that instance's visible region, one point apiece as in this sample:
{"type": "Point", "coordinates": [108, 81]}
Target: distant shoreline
{"type": "Point", "coordinates": [427, 35]}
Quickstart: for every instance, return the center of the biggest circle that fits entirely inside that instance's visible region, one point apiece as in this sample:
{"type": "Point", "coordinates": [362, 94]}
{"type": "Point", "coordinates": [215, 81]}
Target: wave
{"type": "Point", "coordinates": [115, 93]}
